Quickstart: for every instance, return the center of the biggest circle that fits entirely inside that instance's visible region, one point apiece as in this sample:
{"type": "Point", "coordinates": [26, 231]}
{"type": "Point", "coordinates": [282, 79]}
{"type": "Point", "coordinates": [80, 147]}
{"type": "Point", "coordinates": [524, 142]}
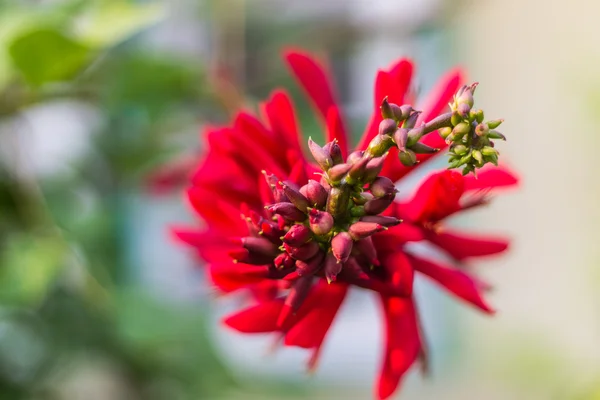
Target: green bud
{"type": "Point", "coordinates": [488, 151]}
{"type": "Point", "coordinates": [445, 132]}
{"type": "Point", "coordinates": [492, 134]}
{"type": "Point", "coordinates": [379, 145]}
{"type": "Point", "coordinates": [461, 130]}
{"type": "Point", "coordinates": [478, 157]}
{"type": "Point", "coordinates": [407, 157]}
{"type": "Point", "coordinates": [460, 149]}
{"type": "Point", "coordinates": [421, 148]}
{"type": "Point", "coordinates": [358, 211]}
{"type": "Point", "coordinates": [493, 158]}
{"type": "Point", "coordinates": [467, 169]}
{"type": "Point", "coordinates": [337, 202]}
{"type": "Point", "coordinates": [476, 115]}
{"type": "Point", "coordinates": [456, 118]}
{"type": "Point", "coordinates": [466, 158]}
{"type": "Point", "coordinates": [495, 123]}
{"type": "Point", "coordinates": [455, 164]}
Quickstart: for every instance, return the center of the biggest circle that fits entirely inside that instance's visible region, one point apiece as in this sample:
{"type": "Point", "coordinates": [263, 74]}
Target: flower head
{"type": "Point", "coordinates": [311, 229]}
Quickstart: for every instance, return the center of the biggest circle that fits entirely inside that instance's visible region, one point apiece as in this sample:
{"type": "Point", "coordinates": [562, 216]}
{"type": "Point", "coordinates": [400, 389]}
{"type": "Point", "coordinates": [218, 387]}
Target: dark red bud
{"type": "Point", "coordinates": [360, 230]}
{"type": "Point", "coordinates": [377, 206]}
{"type": "Point", "coordinates": [357, 170]}
{"type": "Point", "coordinates": [334, 150]}
{"type": "Point", "coordinates": [322, 157]}
{"type": "Point", "coordinates": [296, 197]}
{"type": "Point", "coordinates": [382, 187]}
{"type": "Point", "coordinates": [284, 261]}
{"type": "Point", "coordinates": [304, 252]}
{"type": "Point", "coordinates": [310, 267]}
{"type": "Point", "coordinates": [341, 246]}
{"type": "Point", "coordinates": [367, 249]}
{"type": "Point", "coordinates": [362, 198]}
{"type": "Point", "coordinates": [297, 235]}
{"type": "Point", "coordinates": [402, 112]}
{"type": "Point", "coordinates": [338, 172]}
{"type": "Point", "coordinates": [315, 193]}
{"type": "Point", "coordinates": [321, 222]}
{"type": "Point", "coordinates": [288, 211]}
{"type": "Point", "coordinates": [354, 157]}
{"type": "Point", "coordinates": [273, 183]}
{"type": "Point", "coordinates": [411, 121]}
{"type": "Point", "coordinates": [381, 220]}
{"type": "Point", "coordinates": [247, 257]}
{"type": "Point", "coordinates": [401, 137]}
{"type": "Point", "coordinates": [373, 169]}
{"type": "Point", "coordinates": [331, 267]}
{"type": "Point", "coordinates": [259, 246]}
{"type": "Point", "coordinates": [353, 270]}
{"type": "Point", "coordinates": [271, 231]}
{"type": "Point", "coordinates": [387, 127]}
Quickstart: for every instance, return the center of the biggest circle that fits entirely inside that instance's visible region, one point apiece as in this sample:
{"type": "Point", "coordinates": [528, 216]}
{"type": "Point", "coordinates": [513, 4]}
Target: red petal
{"type": "Point", "coordinates": [279, 111]}
{"type": "Point", "coordinates": [489, 178]}
{"type": "Point", "coordinates": [217, 214]}
{"type": "Point", "coordinates": [402, 343]}
{"type": "Point", "coordinates": [211, 247]}
{"type": "Point", "coordinates": [258, 319]}
{"type": "Point", "coordinates": [454, 280]}
{"type": "Point", "coordinates": [461, 246]}
{"type": "Point", "coordinates": [400, 270]}
{"type": "Point", "coordinates": [335, 129]}
{"type": "Point", "coordinates": [322, 305]}
{"type": "Point", "coordinates": [437, 197]}
{"type": "Point", "coordinates": [313, 78]}
{"type": "Point", "coordinates": [230, 276]}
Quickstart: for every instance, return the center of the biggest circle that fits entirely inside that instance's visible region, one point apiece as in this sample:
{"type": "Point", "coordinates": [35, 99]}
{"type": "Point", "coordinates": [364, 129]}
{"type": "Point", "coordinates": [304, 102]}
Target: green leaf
{"type": "Point", "coordinates": [47, 55]}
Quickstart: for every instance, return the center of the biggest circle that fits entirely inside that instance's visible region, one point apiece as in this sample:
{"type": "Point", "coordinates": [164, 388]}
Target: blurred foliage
{"type": "Point", "coordinates": [66, 308]}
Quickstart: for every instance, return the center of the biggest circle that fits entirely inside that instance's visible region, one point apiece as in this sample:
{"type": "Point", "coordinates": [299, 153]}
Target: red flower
{"type": "Point", "coordinates": [277, 253]}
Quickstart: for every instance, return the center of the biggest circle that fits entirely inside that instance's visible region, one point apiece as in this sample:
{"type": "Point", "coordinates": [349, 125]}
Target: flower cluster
{"type": "Point", "coordinates": [310, 231]}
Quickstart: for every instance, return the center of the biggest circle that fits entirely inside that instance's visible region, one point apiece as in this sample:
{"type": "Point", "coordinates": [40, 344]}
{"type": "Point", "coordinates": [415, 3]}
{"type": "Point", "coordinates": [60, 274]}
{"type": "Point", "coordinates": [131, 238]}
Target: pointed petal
{"type": "Point", "coordinates": [313, 78]}
{"type": "Point", "coordinates": [402, 343]}
{"type": "Point", "coordinates": [400, 270]}
{"type": "Point", "coordinates": [279, 111]}
{"type": "Point", "coordinates": [261, 318]}
{"type": "Point", "coordinates": [230, 276]}
{"type": "Point", "coordinates": [462, 246]}
{"type": "Point", "coordinates": [455, 281]}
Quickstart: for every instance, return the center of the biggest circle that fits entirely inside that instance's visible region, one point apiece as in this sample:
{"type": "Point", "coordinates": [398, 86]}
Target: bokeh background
{"type": "Point", "coordinates": [96, 301]}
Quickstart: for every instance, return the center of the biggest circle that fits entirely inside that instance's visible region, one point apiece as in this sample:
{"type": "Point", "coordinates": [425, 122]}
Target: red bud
{"type": "Point", "coordinates": [341, 246]}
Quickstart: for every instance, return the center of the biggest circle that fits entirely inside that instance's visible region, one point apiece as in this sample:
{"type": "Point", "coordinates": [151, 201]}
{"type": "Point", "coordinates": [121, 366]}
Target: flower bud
{"type": "Point", "coordinates": [360, 230]}
{"type": "Point", "coordinates": [322, 157]}
{"type": "Point", "coordinates": [325, 183]}
{"type": "Point", "coordinates": [337, 202]}
{"type": "Point", "coordinates": [381, 220]}
{"type": "Point", "coordinates": [315, 193]}
{"type": "Point", "coordinates": [354, 156]}
{"type": "Point", "coordinates": [445, 132]}
{"type": "Point", "coordinates": [259, 246]}
{"type": "Point", "coordinates": [382, 186]}
{"type": "Point", "coordinates": [341, 246]}
{"type": "Point", "coordinates": [421, 148]}
{"type": "Point", "coordinates": [481, 129]}
{"type": "Point", "coordinates": [401, 137]}
{"type": "Point", "coordinates": [249, 257]}
{"type": "Point", "coordinates": [380, 145]}
{"type": "Point", "coordinates": [321, 222]}
{"type": "Point", "coordinates": [411, 121]}
{"type": "Point", "coordinates": [456, 118]}
{"type": "Point", "coordinates": [476, 115]}
{"type": "Point", "coordinates": [311, 266]}
{"type": "Point", "coordinates": [402, 112]}
{"type": "Point", "coordinates": [492, 134]}
{"type": "Point", "coordinates": [386, 110]}
{"type": "Point", "coordinates": [407, 157]}
{"type": "Point", "coordinates": [357, 170]}
{"type": "Point", "coordinates": [463, 110]}
{"type": "Point", "coordinates": [357, 211]}
{"type": "Point", "coordinates": [373, 169]}
{"type": "Point", "coordinates": [337, 173]}
{"type": "Point", "coordinates": [283, 261]}
{"type": "Point", "coordinates": [297, 235]}
{"type": "Point", "coordinates": [287, 210]}
{"type": "Point", "coordinates": [334, 150]}
{"type": "Point", "coordinates": [377, 206]}
{"type": "Point", "coordinates": [488, 151]}
{"type": "Point", "coordinates": [466, 97]}
{"type": "Point", "coordinates": [477, 156]}
{"type": "Point", "coordinates": [459, 149]}
{"type": "Point", "coordinates": [303, 252]}
{"type": "Point", "coordinates": [296, 296]}
{"type": "Point", "coordinates": [270, 231]}
{"type": "Point", "coordinates": [296, 197]}
{"type": "Point", "coordinates": [353, 270]}
{"type": "Point", "coordinates": [273, 183]}
{"type": "Point", "coordinates": [388, 126]}
{"type": "Point", "coordinates": [461, 130]}
{"type": "Point", "coordinates": [331, 267]}
{"type": "Point", "coordinates": [494, 123]}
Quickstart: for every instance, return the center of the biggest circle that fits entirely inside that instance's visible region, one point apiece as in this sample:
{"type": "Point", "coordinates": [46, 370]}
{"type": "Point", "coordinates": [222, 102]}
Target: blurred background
{"type": "Point", "coordinates": [97, 303]}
